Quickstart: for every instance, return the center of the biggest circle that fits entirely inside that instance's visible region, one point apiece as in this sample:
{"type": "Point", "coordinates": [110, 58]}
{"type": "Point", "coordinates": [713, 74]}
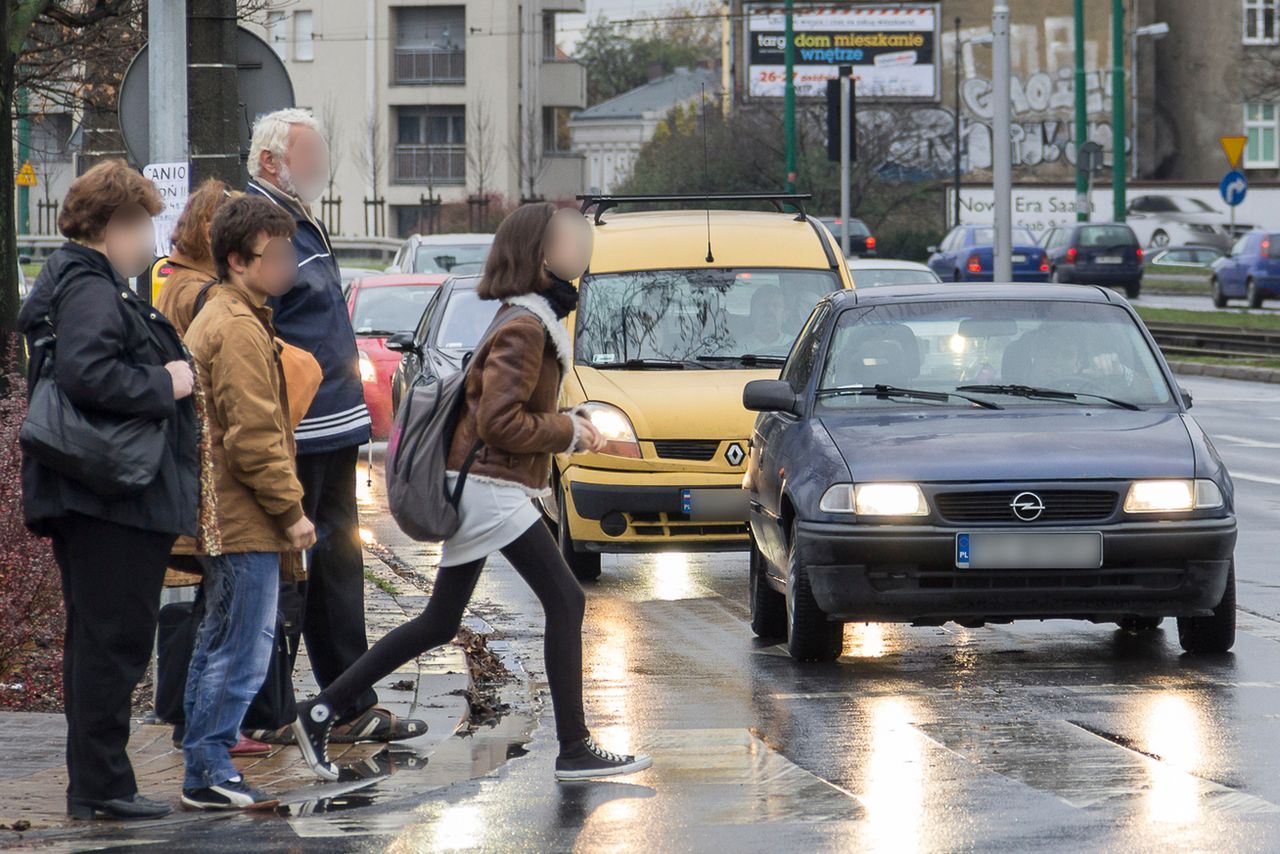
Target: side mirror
{"type": "Point", "coordinates": [769, 396]}
{"type": "Point", "coordinates": [402, 342]}
{"type": "Point", "coordinates": [1186, 397]}
{"type": "Point", "coordinates": [931, 249]}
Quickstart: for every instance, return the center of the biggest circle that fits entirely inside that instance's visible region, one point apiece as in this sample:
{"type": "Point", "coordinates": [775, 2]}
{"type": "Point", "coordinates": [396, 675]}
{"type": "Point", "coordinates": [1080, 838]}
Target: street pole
{"type": "Point", "coordinates": [215, 93]}
{"type": "Point", "coordinates": [24, 154]}
{"type": "Point", "coordinates": [1082, 127]}
{"type": "Point", "coordinates": [1133, 101]}
{"type": "Point", "coordinates": [1001, 145]}
{"type": "Point", "coordinates": [956, 212]}
{"type": "Point", "coordinates": [789, 100]}
{"type": "Point", "coordinates": [1119, 166]}
{"type": "Point", "coordinates": [846, 84]}
{"type": "Point", "coordinates": [726, 61]}
{"type": "Point", "coordinates": [166, 87]}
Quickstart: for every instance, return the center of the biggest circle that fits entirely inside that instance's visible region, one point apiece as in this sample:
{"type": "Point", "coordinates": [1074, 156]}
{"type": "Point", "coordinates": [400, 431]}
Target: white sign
{"type": "Point", "coordinates": [173, 182]}
{"type": "Point", "coordinates": [893, 49]}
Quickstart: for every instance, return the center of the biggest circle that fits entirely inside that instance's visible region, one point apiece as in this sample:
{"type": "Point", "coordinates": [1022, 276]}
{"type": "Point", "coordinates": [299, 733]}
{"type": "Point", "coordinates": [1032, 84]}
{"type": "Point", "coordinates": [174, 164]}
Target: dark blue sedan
{"type": "Point", "coordinates": [983, 454]}
{"type": "Point", "coordinates": [1250, 271]}
{"type": "Point", "coordinates": [966, 254]}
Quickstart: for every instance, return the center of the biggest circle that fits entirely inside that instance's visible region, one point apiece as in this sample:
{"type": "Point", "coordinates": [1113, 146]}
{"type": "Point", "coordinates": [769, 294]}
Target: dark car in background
{"type": "Point", "coordinates": [967, 254]}
{"type": "Point", "coordinates": [1249, 271]}
{"type": "Point", "coordinates": [1095, 253]}
{"type": "Point", "coordinates": [862, 243]}
{"type": "Point", "coordinates": [983, 454]}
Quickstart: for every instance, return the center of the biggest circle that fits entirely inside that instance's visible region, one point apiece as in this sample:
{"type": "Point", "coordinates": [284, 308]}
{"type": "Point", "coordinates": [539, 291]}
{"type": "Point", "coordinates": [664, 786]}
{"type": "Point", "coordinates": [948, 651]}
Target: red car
{"type": "Point", "coordinates": [381, 306]}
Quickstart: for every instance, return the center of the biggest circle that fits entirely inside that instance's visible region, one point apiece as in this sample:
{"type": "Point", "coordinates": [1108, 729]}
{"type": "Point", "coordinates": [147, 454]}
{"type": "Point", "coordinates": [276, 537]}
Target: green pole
{"type": "Point", "coordinates": [1119, 156]}
{"type": "Point", "coordinates": [789, 107]}
{"type": "Point", "coordinates": [1082, 126]}
{"type": "Point", "coordinates": [24, 154]}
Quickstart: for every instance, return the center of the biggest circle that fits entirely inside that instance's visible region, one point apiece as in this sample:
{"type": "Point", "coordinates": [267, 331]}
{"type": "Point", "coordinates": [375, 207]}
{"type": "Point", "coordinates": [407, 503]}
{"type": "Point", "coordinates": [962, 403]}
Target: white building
{"type": "Point", "coordinates": [609, 135]}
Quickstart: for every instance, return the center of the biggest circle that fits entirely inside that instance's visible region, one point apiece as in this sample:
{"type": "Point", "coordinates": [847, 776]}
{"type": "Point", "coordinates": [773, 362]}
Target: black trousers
{"type": "Point", "coordinates": [111, 580]}
{"type": "Point", "coordinates": [331, 600]}
{"type": "Point", "coordinates": [535, 556]}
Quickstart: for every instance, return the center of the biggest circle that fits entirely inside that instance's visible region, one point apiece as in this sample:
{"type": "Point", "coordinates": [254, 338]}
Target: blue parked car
{"type": "Point", "coordinates": [966, 255]}
{"type": "Point", "coordinates": [1250, 271]}
{"type": "Point", "coordinates": [1095, 253]}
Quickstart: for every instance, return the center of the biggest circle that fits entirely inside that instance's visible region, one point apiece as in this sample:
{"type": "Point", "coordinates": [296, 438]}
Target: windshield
{"type": "Point", "coordinates": [465, 319]}
{"type": "Point", "coordinates": [987, 237]}
{"type": "Point", "coordinates": [384, 311]}
{"type": "Point", "coordinates": [1107, 236]}
{"type": "Point", "coordinates": [691, 315]}
{"type": "Point", "coordinates": [857, 228]}
{"type": "Point", "coordinates": [462, 259]}
{"type": "Point", "coordinates": [1084, 348]}
{"type": "Point", "coordinates": [864, 278]}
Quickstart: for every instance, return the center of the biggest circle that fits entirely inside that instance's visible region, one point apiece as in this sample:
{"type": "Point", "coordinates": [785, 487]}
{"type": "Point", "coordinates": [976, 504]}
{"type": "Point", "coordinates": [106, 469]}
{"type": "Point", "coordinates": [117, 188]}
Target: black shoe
{"type": "Point", "coordinates": [585, 760]}
{"type": "Point", "coordinates": [131, 808]}
{"type": "Point", "coordinates": [311, 731]}
{"type": "Point", "coordinates": [234, 794]}
{"type": "Point", "coordinates": [179, 731]}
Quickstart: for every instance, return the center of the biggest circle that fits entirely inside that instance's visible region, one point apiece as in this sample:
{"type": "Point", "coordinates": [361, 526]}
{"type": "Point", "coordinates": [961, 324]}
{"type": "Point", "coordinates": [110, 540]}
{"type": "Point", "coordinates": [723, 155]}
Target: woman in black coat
{"type": "Point", "coordinates": [114, 354]}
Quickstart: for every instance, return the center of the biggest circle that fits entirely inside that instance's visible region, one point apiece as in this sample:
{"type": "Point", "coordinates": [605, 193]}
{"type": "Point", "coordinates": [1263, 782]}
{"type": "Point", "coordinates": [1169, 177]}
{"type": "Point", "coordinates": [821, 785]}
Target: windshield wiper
{"type": "Point", "coordinates": [1047, 394]}
{"type": "Point", "coordinates": [643, 364]}
{"type": "Point", "coordinates": [375, 333]}
{"type": "Point", "coordinates": [887, 391]}
{"type": "Point", "coordinates": [747, 359]}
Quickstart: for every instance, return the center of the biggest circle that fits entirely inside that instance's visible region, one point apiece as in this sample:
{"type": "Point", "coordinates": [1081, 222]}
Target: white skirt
{"type": "Point", "coordinates": [491, 516]}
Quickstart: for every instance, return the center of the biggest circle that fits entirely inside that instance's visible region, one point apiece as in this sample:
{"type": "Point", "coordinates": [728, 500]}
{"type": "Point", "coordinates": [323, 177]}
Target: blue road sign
{"type": "Point", "coordinates": [1233, 187]}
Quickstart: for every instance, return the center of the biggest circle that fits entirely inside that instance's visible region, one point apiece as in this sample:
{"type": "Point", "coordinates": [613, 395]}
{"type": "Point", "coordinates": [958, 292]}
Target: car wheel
{"type": "Point", "coordinates": [1217, 632]}
{"type": "Point", "coordinates": [1132, 290]}
{"type": "Point", "coordinates": [1218, 297]}
{"type": "Point", "coordinates": [1137, 625]}
{"type": "Point", "coordinates": [1252, 294]}
{"type": "Point", "coordinates": [585, 565]}
{"type": "Point", "coordinates": [810, 635]}
{"type": "Point", "coordinates": [1159, 239]}
{"type": "Point", "coordinates": [768, 606]}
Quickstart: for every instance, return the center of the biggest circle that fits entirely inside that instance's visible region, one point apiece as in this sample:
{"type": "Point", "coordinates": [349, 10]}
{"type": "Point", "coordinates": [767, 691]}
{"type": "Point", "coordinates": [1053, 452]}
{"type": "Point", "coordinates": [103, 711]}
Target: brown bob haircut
{"type": "Point", "coordinates": [239, 223]}
{"type": "Point", "coordinates": [95, 196]}
{"type": "Point", "coordinates": [189, 235]}
{"type": "Point", "coordinates": [514, 264]}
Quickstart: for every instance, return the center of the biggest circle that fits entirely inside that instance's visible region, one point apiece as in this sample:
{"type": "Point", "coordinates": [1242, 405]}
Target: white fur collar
{"type": "Point", "coordinates": [541, 309]}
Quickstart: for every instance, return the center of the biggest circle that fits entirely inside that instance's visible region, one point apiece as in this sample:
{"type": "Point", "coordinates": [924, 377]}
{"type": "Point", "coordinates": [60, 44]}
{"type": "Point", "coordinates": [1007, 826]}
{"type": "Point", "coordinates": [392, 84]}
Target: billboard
{"type": "Point", "coordinates": [893, 49]}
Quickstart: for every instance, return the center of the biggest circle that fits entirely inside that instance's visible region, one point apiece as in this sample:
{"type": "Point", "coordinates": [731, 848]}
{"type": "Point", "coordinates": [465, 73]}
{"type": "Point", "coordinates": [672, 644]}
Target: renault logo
{"type": "Point", "coordinates": [734, 454]}
{"type": "Point", "coordinates": [1027, 506]}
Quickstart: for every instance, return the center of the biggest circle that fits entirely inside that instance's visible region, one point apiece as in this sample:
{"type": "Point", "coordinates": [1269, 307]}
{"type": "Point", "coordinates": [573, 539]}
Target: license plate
{"type": "Point", "coordinates": [1020, 550]}
{"type": "Point", "coordinates": [1109, 259]}
{"type": "Point", "coordinates": [1019, 259]}
{"type": "Point", "coordinates": [714, 505]}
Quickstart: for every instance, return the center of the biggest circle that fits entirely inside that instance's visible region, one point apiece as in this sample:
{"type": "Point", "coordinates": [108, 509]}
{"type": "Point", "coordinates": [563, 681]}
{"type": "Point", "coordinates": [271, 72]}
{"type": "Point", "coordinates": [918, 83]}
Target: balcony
{"type": "Point", "coordinates": [429, 164]}
{"type": "Point", "coordinates": [563, 84]}
{"type": "Point", "coordinates": [415, 66]}
{"type": "Point", "coordinates": [577, 6]}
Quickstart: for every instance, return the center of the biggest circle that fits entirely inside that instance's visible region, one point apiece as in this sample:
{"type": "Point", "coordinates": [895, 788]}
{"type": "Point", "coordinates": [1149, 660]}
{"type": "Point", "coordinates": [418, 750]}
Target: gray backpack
{"type": "Point", "coordinates": [418, 492]}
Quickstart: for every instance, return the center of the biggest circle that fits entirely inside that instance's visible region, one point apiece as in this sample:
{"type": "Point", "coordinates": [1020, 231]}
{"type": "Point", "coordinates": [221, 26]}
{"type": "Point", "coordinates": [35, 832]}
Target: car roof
{"type": "Point", "coordinates": [885, 264]}
{"type": "Point", "coordinates": [663, 240]}
{"type": "Point", "coordinates": [951, 291]}
{"type": "Point", "coordinates": [450, 239]}
{"type": "Point", "coordinates": [392, 280]}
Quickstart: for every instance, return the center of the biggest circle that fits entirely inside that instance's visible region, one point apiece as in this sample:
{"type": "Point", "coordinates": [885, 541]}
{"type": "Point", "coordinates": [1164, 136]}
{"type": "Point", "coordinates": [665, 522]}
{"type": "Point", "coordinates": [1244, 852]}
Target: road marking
{"type": "Point", "coordinates": [1244, 440]}
{"type": "Point", "coordinates": [1255, 478]}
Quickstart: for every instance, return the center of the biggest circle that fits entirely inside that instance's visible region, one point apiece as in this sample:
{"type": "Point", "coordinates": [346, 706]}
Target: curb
{"type": "Point", "coordinates": [1247, 373]}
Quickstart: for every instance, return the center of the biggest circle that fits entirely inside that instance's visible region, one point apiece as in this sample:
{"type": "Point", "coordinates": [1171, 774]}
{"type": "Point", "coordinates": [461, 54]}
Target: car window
{"type": "Point", "coordinates": [865, 278]}
{"type": "Point", "coordinates": [1155, 204]}
{"type": "Point", "coordinates": [1238, 247]}
{"type": "Point", "coordinates": [986, 236]}
{"type": "Point", "coordinates": [387, 310]}
{"type": "Point", "coordinates": [461, 259]}
{"type": "Point", "coordinates": [804, 355]}
{"type": "Point", "coordinates": [420, 334]}
{"type": "Point", "coordinates": [1106, 236]}
{"type": "Point", "coordinates": [682, 315]}
{"type": "Point", "coordinates": [464, 320]}
{"type": "Point", "coordinates": [1070, 346]}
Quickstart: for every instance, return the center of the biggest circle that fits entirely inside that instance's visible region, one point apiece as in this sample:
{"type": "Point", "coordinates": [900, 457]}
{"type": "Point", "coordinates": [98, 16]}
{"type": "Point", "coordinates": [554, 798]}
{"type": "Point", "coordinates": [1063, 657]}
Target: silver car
{"type": "Point", "coordinates": [1165, 220]}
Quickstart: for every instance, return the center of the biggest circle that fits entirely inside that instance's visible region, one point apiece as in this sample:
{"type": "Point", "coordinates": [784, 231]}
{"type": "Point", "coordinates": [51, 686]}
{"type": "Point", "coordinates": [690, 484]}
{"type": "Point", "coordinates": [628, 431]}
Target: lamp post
{"type": "Point", "coordinates": [1001, 144]}
{"type": "Point", "coordinates": [1154, 31]}
{"type": "Point", "coordinates": [982, 39]}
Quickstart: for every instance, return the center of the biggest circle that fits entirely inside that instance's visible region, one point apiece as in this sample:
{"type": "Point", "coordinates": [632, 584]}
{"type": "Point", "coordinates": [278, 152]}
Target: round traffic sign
{"type": "Point", "coordinates": [1233, 187]}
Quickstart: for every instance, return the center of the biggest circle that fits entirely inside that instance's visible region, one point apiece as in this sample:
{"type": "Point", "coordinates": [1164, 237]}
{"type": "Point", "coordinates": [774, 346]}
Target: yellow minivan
{"type": "Point", "coordinates": [678, 310]}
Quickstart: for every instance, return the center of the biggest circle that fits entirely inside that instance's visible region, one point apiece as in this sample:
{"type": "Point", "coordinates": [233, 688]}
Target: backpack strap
{"type": "Point", "coordinates": [202, 296]}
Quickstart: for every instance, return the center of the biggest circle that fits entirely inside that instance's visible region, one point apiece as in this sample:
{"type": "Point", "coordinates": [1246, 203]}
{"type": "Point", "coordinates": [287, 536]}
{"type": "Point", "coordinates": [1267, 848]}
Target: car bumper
{"type": "Point", "coordinates": [908, 574]}
{"type": "Point", "coordinates": [1018, 276]}
{"type": "Point", "coordinates": [616, 511]}
{"type": "Point", "coordinates": [1101, 276]}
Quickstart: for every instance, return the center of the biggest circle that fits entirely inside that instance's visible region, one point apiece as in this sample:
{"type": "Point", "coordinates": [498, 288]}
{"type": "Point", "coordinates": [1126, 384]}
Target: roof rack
{"type": "Point", "coordinates": [602, 203]}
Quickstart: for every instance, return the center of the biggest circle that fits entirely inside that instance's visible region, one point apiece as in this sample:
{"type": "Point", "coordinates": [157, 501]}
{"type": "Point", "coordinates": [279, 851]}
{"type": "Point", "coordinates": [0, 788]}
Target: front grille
{"type": "Point", "coordinates": [698, 450]}
{"type": "Point", "coordinates": [1060, 505]}
{"type": "Point", "coordinates": [1157, 578]}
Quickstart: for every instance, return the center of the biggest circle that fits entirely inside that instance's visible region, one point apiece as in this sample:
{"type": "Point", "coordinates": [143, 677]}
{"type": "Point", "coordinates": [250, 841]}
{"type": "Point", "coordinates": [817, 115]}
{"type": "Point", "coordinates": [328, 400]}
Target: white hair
{"type": "Point", "coordinates": [271, 133]}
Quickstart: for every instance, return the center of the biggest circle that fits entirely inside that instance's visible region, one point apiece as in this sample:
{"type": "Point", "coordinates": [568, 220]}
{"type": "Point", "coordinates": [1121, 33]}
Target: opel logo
{"type": "Point", "coordinates": [734, 454]}
{"type": "Point", "coordinates": [1027, 506]}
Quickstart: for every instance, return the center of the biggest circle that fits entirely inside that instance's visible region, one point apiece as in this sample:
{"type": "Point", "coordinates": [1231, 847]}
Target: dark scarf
{"type": "Point", "coordinates": [561, 295]}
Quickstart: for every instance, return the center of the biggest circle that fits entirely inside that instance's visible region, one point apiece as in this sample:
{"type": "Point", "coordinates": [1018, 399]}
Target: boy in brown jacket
{"type": "Point", "coordinates": [259, 498]}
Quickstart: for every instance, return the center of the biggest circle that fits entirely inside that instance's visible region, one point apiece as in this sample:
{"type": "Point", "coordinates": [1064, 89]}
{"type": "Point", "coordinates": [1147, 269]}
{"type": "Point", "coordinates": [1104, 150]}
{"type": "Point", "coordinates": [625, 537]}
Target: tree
{"type": "Point", "coordinates": [371, 153]}
{"type": "Point", "coordinates": [527, 151]}
{"type": "Point", "coordinates": [330, 122]}
{"type": "Point", "coordinates": [482, 153]}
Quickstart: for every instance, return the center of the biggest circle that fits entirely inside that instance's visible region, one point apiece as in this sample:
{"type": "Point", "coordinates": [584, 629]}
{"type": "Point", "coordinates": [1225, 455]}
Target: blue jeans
{"type": "Point", "coordinates": [229, 664]}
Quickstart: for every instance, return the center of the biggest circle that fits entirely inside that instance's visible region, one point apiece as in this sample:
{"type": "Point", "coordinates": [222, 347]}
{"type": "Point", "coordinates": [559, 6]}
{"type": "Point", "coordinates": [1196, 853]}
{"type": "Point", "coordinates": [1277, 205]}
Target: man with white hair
{"type": "Point", "coordinates": [289, 165]}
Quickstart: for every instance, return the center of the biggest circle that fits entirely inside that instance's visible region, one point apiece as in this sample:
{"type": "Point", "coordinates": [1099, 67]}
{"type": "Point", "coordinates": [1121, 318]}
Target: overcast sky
{"type": "Point", "coordinates": [572, 25]}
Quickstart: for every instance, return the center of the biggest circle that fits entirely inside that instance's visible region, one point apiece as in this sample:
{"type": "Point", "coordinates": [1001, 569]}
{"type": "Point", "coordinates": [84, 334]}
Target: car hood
{"type": "Point", "coordinates": [687, 404]}
{"type": "Point", "coordinates": [1023, 444]}
{"type": "Point", "coordinates": [1202, 218]}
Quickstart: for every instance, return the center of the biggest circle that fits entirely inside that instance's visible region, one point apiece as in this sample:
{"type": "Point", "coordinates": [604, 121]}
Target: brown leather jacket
{"type": "Point", "coordinates": [512, 387]}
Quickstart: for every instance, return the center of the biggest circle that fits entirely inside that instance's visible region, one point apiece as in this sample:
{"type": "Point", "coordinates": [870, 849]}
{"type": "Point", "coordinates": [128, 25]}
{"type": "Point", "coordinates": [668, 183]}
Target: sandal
{"type": "Point", "coordinates": [377, 724]}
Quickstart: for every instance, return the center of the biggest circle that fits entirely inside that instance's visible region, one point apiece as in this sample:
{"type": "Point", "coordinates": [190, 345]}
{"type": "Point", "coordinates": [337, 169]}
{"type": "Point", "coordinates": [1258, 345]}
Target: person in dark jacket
{"type": "Point", "coordinates": [114, 354]}
{"type": "Point", "coordinates": [288, 163]}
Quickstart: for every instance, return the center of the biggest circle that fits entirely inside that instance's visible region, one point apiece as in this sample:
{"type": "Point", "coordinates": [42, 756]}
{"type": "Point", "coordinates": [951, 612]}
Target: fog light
{"type": "Point", "coordinates": [614, 524]}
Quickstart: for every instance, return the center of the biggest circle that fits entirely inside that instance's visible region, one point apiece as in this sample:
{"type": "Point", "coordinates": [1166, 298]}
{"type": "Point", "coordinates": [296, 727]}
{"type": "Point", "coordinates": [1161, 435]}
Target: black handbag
{"type": "Point", "coordinates": [110, 454]}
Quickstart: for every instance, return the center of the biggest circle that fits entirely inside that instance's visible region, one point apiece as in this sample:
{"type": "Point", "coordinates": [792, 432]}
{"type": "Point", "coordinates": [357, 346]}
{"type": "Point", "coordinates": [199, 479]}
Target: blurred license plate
{"type": "Point", "coordinates": [1019, 259]}
{"type": "Point", "coordinates": [1039, 550]}
{"type": "Point", "coordinates": [714, 505]}
{"type": "Point", "coordinates": [1109, 259]}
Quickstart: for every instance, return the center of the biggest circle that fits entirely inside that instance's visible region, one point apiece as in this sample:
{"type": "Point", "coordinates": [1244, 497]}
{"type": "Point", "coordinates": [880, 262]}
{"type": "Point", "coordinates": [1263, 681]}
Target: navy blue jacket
{"type": "Point", "coordinates": [314, 316]}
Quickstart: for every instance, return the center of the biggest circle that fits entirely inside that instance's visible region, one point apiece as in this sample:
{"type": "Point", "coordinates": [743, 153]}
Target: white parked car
{"type": "Point", "coordinates": [1160, 221]}
{"type": "Point", "coordinates": [459, 254]}
{"type": "Point", "coordinates": [873, 272]}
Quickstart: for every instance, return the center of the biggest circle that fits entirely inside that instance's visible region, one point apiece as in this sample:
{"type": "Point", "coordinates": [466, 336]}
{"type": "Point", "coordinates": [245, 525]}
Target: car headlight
{"type": "Point", "coordinates": [614, 426]}
{"type": "Point", "coordinates": [875, 499]}
{"type": "Point", "coordinates": [367, 372]}
{"type": "Point", "coordinates": [1172, 496]}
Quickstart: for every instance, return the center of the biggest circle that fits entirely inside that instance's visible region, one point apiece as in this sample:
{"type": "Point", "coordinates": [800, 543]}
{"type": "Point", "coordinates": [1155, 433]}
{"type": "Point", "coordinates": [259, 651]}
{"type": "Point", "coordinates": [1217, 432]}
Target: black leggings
{"type": "Point", "coordinates": [535, 556]}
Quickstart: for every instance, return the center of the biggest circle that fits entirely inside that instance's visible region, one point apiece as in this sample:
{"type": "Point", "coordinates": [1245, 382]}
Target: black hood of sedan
{"type": "Point", "coordinates": [1017, 444]}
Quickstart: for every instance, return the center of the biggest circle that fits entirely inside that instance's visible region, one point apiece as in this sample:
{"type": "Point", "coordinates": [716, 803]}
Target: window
{"type": "Point", "coordinates": [430, 145]}
{"type": "Point", "coordinates": [549, 51]}
{"type": "Point", "coordinates": [1260, 127]}
{"type": "Point", "coordinates": [430, 45]}
{"type": "Point", "coordinates": [303, 35]}
{"type": "Point", "coordinates": [278, 33]}
{"type": "Point", "coordinates": [1260, 22]}
{"type": "Point", "coordinates": [804, 355]}
{"type": "Point", "coordinates": [555, 130]}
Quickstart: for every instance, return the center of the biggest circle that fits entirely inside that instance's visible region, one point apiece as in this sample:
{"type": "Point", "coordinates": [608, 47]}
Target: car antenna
{"type": "Point", "coordinates": [706, 173]}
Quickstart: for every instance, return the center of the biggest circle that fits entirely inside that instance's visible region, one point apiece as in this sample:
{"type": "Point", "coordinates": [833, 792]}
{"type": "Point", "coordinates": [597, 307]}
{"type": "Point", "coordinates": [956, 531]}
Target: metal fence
{"type": "Point", "coordinates": [430, 65]}
{"type": "Point", "coordinates": [430, 164]}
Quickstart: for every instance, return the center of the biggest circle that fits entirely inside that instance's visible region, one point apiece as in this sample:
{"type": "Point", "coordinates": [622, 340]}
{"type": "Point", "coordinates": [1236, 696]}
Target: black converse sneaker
{"type": "Point", "coordinates": [585, 760]}
{"type": "Point", "coordinates": [234, 794]}
{"type": "Point", "coordinates": [311, 731]}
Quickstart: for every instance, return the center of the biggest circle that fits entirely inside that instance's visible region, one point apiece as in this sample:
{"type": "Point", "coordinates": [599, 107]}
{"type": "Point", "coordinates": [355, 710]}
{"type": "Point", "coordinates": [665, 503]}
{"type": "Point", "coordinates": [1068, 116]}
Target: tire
{"type": "Point", "coordinates": [1160, 239]}
{"type": "Point", "coordinates": [1216, 633]}
{"type": "Point", "coordinates": [1216, 294]}
{"type": "Point", "coordinates": [1133, 290]}
{"type": "Point", "coordinates": [585, 565]}
{"type": "Point", "coordinates": [1139, 625]}
{"type": "Point", "coordinates": [1252, 296]}
{"type": "Point", "coordinates": [768, 606]}
{"type": "Point", "coordinates": [810, 635]}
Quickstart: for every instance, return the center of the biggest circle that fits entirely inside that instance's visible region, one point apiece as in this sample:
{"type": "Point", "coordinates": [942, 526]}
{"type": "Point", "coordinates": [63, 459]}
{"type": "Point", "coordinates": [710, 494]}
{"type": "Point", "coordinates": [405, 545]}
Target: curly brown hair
{"type": "Point", "coordinates": [514, 264]}
{"type": "Point", "coordinates": [239, 223]}
{"type": "Point", "coordinates": [97, 194]}
{"type": "Point", "coordinates": [190, 235]}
